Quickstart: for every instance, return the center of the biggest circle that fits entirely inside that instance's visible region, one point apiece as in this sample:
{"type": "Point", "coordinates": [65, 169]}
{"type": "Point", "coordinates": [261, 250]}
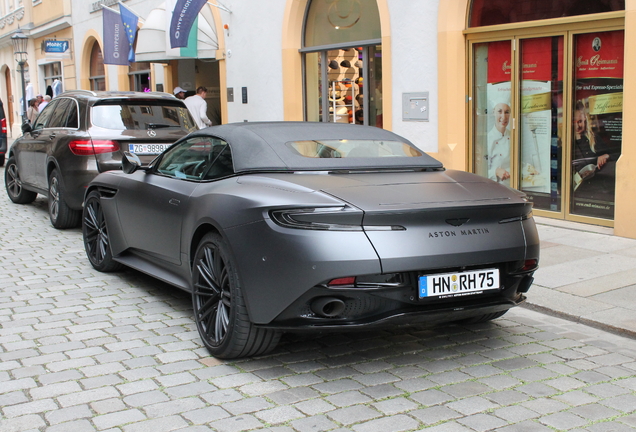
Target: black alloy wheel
{"type": "Point", "coordinates": [13, 184]}
{"type": "Point", "coordinates": [95, 234]}
{"type": "Point", "coordinates": [219, 308]}
{"type": "Point", "coordinates": [61, 215]}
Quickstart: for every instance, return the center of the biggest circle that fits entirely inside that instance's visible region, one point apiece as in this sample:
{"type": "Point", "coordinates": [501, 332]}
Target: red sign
{"type": "Point", "coordinates": [600, 55]}
{"type": "Point", "coordinates": [499, 62]}
{"type": "Point", "coordinates": [537, 59]}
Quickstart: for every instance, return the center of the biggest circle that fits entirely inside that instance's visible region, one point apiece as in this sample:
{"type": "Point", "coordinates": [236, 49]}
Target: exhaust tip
{"type": "Point", "coordinates": [327, 307]}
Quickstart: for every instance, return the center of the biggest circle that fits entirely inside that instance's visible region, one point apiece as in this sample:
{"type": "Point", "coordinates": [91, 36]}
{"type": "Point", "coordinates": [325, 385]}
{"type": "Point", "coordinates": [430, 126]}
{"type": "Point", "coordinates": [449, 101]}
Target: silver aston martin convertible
{"type": "Point", "coordinates": [287, 226]}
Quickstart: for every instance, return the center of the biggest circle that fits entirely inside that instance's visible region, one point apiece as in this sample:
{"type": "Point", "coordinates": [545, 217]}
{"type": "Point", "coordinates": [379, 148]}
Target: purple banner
{"type": "Point", "coordinates": [183, 16]}
{"type": "Point", "coordinates": [116, 45]}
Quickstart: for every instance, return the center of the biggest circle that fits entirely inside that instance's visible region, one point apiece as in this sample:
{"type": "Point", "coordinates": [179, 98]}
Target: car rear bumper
{"type": "Point", "coordinates": [376, 306]}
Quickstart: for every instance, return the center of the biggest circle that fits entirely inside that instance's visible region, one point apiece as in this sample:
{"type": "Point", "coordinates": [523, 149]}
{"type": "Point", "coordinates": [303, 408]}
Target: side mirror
{"type": "Point", "coordinates": [130, 162]}
{"type": "Point", "coordinates": [26, 127]}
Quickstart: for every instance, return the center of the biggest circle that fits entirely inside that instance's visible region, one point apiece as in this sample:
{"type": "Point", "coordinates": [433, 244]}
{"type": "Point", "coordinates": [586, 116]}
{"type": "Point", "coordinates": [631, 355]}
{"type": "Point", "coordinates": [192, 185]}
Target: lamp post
{"type": "Point", "coordinates": [19, 41]}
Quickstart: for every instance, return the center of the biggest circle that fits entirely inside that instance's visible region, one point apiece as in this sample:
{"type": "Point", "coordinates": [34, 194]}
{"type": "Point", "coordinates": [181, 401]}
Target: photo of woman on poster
{"type": "Point", "coordinates": [590, 154]}
{"type": "Point", "coordinates": [499, 145]}
{"type": "Point", "coordinates": [585, 147]}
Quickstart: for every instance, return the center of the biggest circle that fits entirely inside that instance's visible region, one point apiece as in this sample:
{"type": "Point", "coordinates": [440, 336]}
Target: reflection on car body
{"type": "Point", "coordinates": [311, 226]}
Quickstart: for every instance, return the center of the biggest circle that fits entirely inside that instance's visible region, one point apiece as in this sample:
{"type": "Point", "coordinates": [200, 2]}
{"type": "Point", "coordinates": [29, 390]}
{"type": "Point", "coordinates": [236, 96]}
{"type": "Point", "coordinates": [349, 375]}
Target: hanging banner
{"type": "Point", "coordinates": [116, 45]}
{"type": "Point", "coordinates": [597, 122]}
{"type": "Point", "coordinates": [184, 14]}
{"type": "Point", "coordinates": [129, 20]}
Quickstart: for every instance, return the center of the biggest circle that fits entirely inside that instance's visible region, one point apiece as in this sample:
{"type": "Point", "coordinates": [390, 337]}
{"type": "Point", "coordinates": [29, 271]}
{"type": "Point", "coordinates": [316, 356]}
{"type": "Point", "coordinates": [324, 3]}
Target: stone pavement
{"type": "Point", "coordinates": [587, 275]}
{"type": "Point", "coordinates": [86, 351]}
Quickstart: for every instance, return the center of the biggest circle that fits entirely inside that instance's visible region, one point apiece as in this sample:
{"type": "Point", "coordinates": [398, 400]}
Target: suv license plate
{"type": "Point", "coordinates": [143, 149]}
{"type": "Point", "coordinates": [449, 285]}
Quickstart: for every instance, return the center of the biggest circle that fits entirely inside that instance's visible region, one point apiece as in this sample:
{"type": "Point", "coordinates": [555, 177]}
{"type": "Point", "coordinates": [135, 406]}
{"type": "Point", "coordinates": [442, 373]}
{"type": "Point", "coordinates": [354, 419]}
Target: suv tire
{"type": "Point", "coordinates": [61, 215]}
{"type": "Point", "coordinates": [13, 184]}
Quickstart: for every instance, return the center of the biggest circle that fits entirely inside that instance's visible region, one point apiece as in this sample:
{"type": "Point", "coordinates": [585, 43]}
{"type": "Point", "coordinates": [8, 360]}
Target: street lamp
{"type": "Point", "coordinates": [19, 41]}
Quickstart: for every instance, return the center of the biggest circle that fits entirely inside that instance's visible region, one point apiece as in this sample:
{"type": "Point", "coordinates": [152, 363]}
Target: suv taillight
{"type": "Point", "coordinates": [91, 147]}
{"type": "Point", "coordinates": [3, 125]}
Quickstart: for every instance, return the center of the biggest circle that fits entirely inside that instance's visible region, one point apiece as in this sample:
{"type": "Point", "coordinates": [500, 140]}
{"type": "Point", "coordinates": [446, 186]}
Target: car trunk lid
{"type": "Point", "coordinates": [449, 219]}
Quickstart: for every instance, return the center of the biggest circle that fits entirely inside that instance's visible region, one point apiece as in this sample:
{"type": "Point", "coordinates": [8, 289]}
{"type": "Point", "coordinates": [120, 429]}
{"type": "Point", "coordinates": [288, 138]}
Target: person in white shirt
{"type": "Point", "coordinates": [45, 101]}
{"type": "Point", "coordinates": [499, 145]}
{"type": "Point", "coordinates": [198, 107]}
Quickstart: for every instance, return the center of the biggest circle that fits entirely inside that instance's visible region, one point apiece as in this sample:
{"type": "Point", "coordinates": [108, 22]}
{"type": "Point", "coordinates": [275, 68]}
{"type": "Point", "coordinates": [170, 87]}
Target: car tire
{"type": "Point", "coordinates": [219, 308]}
{"type": "Point", "coordinates": [61, 215]}
{"type": "Point", "coordinates": [95, 234]}
{"type": "Point", "coordinates": [13, 184]}
{"type": "Point", "coordinates": [484, 318]}
{"type": "Point", "coordinates": [1, 160]}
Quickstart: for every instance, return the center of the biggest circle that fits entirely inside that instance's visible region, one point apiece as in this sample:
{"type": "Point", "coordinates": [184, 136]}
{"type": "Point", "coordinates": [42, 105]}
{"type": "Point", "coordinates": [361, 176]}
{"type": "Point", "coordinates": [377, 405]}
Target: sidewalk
{"type": "Point", "coordinates": [587, 275]}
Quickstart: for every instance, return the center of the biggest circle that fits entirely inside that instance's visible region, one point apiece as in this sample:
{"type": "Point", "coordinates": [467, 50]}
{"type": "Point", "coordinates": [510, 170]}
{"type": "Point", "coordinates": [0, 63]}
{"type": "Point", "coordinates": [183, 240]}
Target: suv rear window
{"type": "Point", "coordinates": [141, 115]}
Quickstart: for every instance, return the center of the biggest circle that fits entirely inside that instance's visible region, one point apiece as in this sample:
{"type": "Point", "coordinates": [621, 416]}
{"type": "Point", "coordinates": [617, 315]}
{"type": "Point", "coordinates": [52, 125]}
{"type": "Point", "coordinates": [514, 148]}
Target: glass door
{"type": "Point", "coordinates": [492, 118]}
{"type": "Point", "coordinates": [541, 121]}
{"type": "Point", "coordinates": [597, 122]}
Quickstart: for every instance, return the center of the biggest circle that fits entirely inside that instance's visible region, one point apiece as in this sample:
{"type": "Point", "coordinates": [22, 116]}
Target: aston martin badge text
{"type": "Point", "coordinates": [466, 232]}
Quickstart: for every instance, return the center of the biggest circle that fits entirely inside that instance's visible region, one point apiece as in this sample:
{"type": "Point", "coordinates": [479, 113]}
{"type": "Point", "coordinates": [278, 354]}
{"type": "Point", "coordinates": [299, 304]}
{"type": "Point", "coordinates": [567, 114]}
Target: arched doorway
{"type": "Point", "coordinates": [342, 60]}
{"type": "Point", "coordinates": [97, 71]}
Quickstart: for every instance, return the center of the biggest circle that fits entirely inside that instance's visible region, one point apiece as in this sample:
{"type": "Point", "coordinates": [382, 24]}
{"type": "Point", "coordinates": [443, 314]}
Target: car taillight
{"type": "Point", "coordinates": [530, 264]}
{"type": "Point", "coordinates": [3, 125]}
{"type": "Point", "coordinates": [91, 147]}
{"type": "Point", "coordinates": [342, 281]}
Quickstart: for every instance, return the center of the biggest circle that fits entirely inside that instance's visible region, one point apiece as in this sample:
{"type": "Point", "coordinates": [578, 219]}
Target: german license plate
{"type": "Point", "coordinates": [147, 148]}
{"type": "Point", "coordinates": [449, 285]}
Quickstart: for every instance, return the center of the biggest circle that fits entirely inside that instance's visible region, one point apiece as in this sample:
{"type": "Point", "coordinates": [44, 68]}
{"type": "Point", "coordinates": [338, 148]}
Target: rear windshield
{"type": "Point", "coordinates": [142, 115]}
{"type": "Point", "coordinates": [353, 149]}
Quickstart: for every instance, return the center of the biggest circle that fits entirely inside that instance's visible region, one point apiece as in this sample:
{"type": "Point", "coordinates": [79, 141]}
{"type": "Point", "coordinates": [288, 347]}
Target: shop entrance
{"type": "Point", "coordinates": [546, 117]}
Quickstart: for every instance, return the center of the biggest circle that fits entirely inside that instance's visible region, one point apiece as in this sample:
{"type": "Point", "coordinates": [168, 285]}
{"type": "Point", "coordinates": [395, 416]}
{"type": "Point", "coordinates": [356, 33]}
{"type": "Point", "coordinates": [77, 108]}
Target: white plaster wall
{"type": "Point", "coordinates": [254, 58]}
{"type": "Point", "coordinates": [414, 51]}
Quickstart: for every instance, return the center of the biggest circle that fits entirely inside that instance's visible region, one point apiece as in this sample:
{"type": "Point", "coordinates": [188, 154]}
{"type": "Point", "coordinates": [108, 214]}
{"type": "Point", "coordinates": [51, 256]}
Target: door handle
{"type": "Point", "coordinates": [52, 137]}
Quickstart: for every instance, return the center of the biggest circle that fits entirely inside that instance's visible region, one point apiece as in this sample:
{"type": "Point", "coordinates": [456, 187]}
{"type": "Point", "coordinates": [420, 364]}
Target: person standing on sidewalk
{"type": "Point", "coordinates": [198, 107]}
{"type": "Point", "coordinates": [32, 111]}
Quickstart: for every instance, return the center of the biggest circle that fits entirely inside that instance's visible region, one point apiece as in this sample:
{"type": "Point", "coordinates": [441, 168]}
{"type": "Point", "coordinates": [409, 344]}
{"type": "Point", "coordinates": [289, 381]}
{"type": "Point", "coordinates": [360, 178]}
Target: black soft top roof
{"type": "Point", "coordinates": [261, 146]}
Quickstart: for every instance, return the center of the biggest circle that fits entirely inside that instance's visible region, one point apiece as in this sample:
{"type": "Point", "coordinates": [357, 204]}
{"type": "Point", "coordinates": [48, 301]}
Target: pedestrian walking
{"type": "Point", "coordinates": [198, 107]}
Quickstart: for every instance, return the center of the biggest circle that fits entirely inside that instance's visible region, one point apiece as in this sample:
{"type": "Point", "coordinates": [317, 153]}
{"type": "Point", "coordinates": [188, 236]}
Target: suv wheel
{"type": "Point", "coordinates": [13, 183]}
{"type": "Point", "coordinates": [61, 215]}
{"type": "Point", "coordinates": [1, 160]}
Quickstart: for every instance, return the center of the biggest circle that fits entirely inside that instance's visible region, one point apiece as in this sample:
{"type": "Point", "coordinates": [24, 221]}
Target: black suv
{"type": "Point", "coordinates": [3, 134]}
{"type": "Point", "coordinates": [81, 133]}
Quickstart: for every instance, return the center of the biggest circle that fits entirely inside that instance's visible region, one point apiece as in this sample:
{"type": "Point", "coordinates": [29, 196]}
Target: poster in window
{"type": "Point", "coordinates": [498, 144]}
{"type": "Point", "coordinates": [597, 122]}
{"type": "Point", "coordinates": [536, 115]}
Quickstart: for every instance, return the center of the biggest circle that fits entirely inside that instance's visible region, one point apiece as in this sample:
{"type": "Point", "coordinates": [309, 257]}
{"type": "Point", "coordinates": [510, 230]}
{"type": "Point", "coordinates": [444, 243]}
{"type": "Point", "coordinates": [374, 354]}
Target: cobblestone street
{"type": "Point", "coordinates": [86, 351]}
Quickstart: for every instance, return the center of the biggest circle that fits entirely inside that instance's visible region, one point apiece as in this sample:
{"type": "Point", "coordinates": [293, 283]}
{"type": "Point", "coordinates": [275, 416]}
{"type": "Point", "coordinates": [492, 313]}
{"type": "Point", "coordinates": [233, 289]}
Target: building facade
{"type": "Point", "coordinates": [530, 93]}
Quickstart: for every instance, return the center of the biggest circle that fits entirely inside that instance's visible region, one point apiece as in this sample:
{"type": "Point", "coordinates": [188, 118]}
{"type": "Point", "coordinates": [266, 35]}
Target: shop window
{"type": "Point", "coordinates": [549, 130]}
{"type": "Point", "coordinates": [597, 122]}
{"type": "Point", "coordinates": [492, 12]}
{"type": "Point", "coordinates": [139, 76]}
{"type": "Point", "coordinates": [52, 73]}
{"type": "Point", "coordinates": [343, 63]}
{"type": "Point", "coordinates": [97, 76]}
